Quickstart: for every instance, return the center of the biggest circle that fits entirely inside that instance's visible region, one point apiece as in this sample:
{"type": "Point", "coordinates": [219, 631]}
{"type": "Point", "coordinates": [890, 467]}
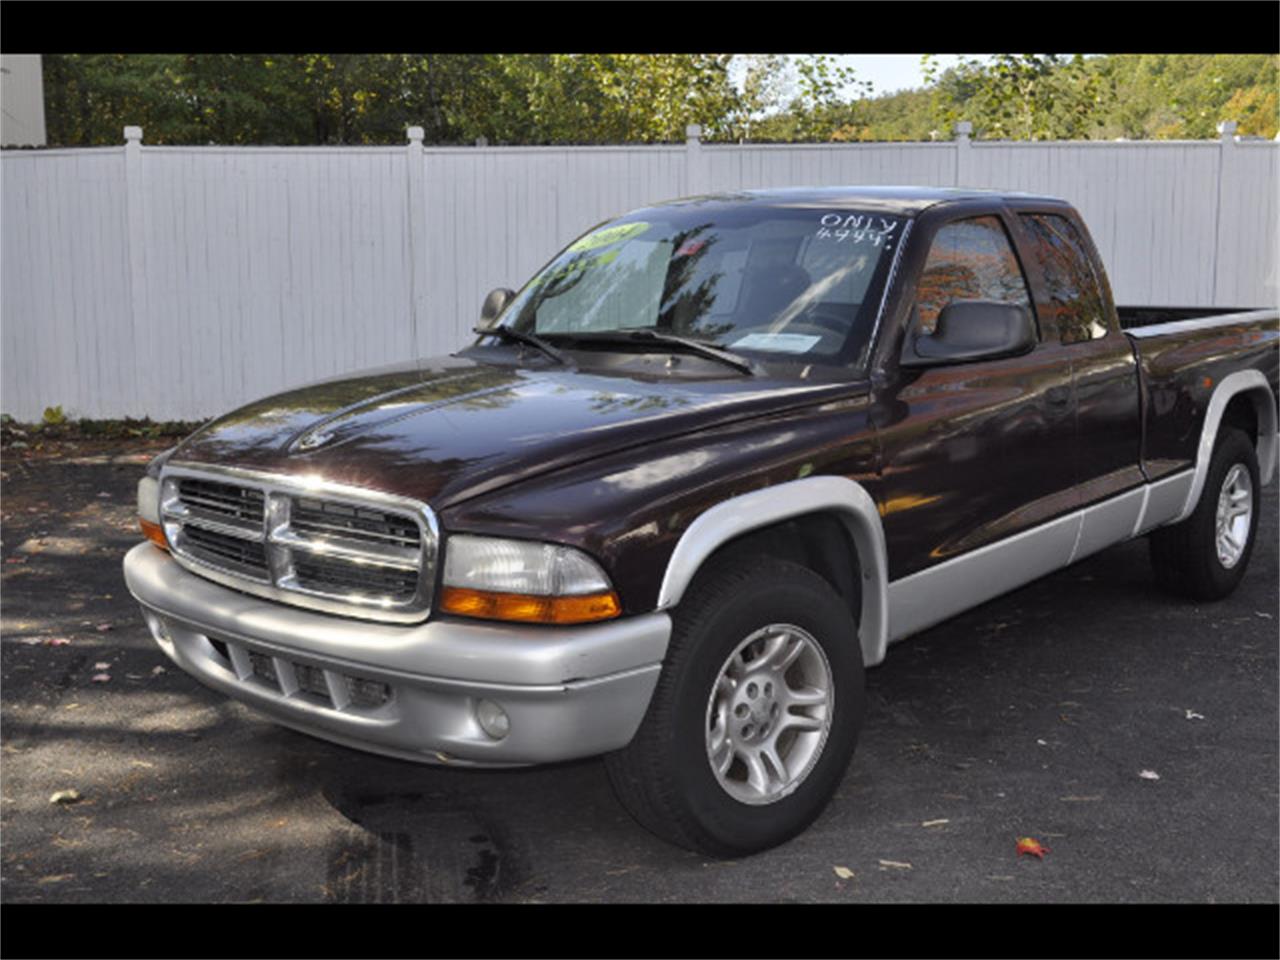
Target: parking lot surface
{"type": "Point", "coordinates": [1132, 734]}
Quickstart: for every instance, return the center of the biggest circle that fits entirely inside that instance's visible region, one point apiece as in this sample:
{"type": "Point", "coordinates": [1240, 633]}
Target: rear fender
{"type": "Point", "coordinates": [1253, 384]}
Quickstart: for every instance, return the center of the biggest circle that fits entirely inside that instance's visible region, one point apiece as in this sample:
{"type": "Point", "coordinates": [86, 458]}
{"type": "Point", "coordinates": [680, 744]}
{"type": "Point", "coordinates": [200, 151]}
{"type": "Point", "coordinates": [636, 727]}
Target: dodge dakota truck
{"type": "Point", "coordinates": [693, 479]}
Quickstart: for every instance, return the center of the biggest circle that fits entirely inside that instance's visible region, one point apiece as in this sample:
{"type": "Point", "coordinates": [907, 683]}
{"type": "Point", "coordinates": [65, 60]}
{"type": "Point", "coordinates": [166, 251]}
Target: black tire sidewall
{"type": "Point", "coordinates": [788, 594]}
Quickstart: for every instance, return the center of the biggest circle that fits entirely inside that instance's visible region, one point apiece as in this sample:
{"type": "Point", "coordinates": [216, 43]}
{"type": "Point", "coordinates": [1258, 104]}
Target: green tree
{"type": "Point", "coordinates": [358, 98]}
{"type": "Point", "coordinates": [1025, 96]}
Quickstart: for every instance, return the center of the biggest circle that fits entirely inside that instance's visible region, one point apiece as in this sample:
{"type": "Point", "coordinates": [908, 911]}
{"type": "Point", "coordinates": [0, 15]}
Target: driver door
{"type": "Point", "coordinates": [973, 453]}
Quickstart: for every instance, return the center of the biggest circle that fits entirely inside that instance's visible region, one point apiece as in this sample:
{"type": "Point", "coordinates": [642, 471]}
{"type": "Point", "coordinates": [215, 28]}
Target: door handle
{"type": "Point", "coordinates": [1058, 396]}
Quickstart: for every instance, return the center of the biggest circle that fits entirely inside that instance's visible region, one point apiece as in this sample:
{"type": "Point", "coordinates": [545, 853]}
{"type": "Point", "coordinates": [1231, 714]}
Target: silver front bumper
{"type": "Point", "coordinates": [568, 691]}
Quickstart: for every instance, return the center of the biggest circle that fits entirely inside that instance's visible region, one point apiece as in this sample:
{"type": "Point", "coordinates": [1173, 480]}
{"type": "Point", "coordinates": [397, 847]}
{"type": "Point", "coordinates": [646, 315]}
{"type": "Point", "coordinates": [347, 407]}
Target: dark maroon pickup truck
{"type": "Point", "coordinates": [692, 479]}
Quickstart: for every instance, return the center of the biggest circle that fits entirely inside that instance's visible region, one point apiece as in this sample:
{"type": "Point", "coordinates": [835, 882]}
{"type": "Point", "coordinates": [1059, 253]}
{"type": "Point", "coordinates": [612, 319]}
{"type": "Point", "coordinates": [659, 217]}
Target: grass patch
{"type": "Point", "coordinates": [56, 427]}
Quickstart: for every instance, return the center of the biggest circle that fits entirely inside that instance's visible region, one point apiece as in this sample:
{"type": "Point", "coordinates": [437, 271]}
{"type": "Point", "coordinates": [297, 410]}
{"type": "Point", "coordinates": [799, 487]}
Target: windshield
{"type": "Point", "coordinates": [785, 283]}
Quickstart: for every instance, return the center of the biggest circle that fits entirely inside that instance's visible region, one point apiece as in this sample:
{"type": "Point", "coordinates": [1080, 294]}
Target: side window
{"type": "Point", "coordinates": [969, 260]}
{"type": "Point", "coordinates": [1074, 291]}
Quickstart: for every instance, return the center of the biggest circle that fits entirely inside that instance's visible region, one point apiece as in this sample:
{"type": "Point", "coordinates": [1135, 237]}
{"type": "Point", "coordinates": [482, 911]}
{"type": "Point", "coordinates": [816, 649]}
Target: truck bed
{"type": "Point", "coordinates": [1183, 355]}
{"type": "Point", "coordinates": [1133, 317]}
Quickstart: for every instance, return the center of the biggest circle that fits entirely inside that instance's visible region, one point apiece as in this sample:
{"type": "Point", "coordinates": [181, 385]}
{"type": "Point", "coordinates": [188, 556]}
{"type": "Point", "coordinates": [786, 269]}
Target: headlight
{"type": "Point", "coordinates": [149, 511]}
{"type": "Point", "coordinates": [498, 579]}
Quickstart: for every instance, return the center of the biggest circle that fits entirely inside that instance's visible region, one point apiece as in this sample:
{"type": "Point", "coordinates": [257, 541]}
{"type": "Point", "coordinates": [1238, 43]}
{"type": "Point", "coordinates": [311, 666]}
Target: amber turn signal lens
{"type": "Point", "coordinates": [526, 608]}
{"type": "Point", "coordinates": [155, 533]}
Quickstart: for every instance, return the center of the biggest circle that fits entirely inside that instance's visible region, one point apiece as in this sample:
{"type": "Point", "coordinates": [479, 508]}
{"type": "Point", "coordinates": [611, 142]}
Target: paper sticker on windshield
{"type": "Point", "coordinates": [578, 266]}
{"type": "Point", "coordinates": [857, 228]}
{"type": "Point", "coordinates": [777, 342]}
{"type": "Point", "coordinates": [602, 238]}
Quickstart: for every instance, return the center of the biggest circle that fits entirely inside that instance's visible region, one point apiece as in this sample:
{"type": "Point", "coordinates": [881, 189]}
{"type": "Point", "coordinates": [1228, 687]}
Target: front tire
{"type": "Point", "coordinates": [1205, 556]}
{"type": "Point", "coordinates": [755, 716]}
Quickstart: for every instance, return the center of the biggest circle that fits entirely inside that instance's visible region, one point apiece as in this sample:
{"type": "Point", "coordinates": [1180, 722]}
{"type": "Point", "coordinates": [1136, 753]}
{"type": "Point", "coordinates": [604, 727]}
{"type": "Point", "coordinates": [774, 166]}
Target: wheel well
{"type": "Point", "coordinates": [1242, 414]}
{"type": "Point", "coordinates": [819, 541]}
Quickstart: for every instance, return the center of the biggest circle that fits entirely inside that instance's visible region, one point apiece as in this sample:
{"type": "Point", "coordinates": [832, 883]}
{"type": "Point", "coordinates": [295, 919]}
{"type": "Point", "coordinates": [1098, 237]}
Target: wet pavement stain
{"type": "Point", "coordinates": [412, 848]}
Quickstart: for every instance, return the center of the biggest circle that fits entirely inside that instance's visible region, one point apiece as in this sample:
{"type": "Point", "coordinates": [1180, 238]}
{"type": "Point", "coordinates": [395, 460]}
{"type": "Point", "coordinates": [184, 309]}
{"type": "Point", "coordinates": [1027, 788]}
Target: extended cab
{"type": "Point", "coordinates": [693, 478]}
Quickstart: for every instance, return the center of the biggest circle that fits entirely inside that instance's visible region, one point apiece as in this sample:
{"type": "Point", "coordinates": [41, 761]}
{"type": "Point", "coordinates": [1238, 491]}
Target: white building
{"type": "Point", "coordinates": [21, 100]}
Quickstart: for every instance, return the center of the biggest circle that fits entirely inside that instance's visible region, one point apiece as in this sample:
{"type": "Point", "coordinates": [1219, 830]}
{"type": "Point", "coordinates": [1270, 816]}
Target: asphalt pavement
{"type": "Point", "coordinates": [1132, 734]}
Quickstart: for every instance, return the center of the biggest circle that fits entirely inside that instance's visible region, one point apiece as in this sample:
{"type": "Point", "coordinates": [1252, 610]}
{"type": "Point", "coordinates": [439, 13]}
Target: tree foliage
{"type": "Point", "coordinates": [644, 98]}
{"type": "Point", "coordinates": [355, 98]}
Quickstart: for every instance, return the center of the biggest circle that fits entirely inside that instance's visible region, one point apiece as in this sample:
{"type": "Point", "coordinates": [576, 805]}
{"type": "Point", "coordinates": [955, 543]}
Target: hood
{"type": "Point", "coordinates": [451, 428]}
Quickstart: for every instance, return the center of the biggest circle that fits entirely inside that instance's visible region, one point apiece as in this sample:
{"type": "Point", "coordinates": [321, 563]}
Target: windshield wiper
{"type": "Point", "coordinates": [519, 336]}
{"type": "Point", "coordinates": [699, 347]}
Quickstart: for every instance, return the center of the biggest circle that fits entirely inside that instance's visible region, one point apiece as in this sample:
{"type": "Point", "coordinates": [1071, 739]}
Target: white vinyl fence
{"type": "Point", "coordinates": [178, 282]}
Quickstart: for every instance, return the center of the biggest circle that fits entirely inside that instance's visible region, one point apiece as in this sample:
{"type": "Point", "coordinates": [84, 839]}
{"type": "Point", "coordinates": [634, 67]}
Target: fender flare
{"type": "Point", "coordinates": [1255, 385]}
{"type": "Point", "coordinates": [846, 498]}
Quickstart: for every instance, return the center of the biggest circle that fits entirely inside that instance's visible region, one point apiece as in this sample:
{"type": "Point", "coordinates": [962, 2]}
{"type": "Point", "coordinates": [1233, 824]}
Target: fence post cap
{"type": "Point", "coordinates": [693, 132]}
{"type": "Point", "coordinates": [1227, 129]}
{"type": "Point", "coordinates": [133, 134]}
{"type": "Point", "coordinates": [962, 130]}
{"type": "Point", "coordinates": [415, 134]}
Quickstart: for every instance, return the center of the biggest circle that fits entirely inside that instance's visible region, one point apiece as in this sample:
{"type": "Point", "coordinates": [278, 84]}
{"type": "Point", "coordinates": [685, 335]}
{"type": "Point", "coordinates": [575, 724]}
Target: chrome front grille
{"type": "Point", "coordinates": [225, 500]}
{"type": "Point", "coordinates": [247, 558]}
{"type": "Point", "coordinates": [323, 518]}
{"type": "Point", "coordinates": [331, 547]}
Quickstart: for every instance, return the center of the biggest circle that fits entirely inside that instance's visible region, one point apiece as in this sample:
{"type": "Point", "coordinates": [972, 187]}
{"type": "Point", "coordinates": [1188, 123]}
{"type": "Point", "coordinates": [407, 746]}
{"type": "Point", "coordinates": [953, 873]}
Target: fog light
{"type": "Point", "coordinates": [493, 719]}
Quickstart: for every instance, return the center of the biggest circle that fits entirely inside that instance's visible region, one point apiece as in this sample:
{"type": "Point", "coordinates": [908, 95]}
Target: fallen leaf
{"type": "Point", "coordinates": [1264, 616]}
{"type": "Point", "coordinates": [102, 666]}
{"type": "Point", "coordinates": [1031, 847]}
{"type": "Point", "coordinates": [934, 823]}
{"type": "Point", "coordinates": [66, 796]}
{"type": "Point", "coordinates": [156, 671]}
{"type": "Point", "coordinates": [895, 865]}
{"type": "Point", "coordinates": [1192, 715]}
{"type": "Point", "coordinates": [1042, 743]}
{"type": "Point", "coordinates": [1149, 775]}
{"type": "Point", "coordinates": [103, 627]}
{"type": "Point", "coordinates": [58, 641]}
{"type": "Point", "coordinates": [101, 678]}
{"type": "Point", "coordinates": [56, 878]}
{"type": "Point", "coordinates": [844, 873]}
{"type": "Point", "coordinates": [30, 641]}
{"type": "Point", "coordinates": [22, 559]}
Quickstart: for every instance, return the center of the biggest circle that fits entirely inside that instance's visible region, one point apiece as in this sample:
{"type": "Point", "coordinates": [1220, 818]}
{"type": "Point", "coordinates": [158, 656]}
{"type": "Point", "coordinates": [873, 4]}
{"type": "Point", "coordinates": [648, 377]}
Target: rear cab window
{"type": "Point", "coordinates": [1076, 302]}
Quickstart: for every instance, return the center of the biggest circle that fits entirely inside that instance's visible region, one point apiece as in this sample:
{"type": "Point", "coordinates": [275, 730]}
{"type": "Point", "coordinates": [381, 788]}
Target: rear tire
{"type": "Point", "coordinates": [742, 747]}
{"type": "Point", "coordinates": [1205, 556]}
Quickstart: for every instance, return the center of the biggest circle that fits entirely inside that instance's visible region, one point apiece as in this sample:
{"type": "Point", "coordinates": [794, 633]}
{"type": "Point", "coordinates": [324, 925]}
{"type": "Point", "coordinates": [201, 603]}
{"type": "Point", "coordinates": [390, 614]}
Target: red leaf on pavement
{"type": "Point", "coordinates": [1032, 847]}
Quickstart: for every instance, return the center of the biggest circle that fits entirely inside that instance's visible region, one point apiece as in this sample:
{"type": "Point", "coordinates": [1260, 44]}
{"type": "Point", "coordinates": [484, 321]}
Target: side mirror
{"type": "Point", "coordinates": [970, 330]}
{"type": "Point", "coordinates": [494, 304]}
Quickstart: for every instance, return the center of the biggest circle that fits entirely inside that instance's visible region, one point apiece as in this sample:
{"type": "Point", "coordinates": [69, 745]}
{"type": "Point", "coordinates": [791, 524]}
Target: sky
{"type": "Point", "coordinates": [893, 71]}
{"type": "Point", "coordinates": [888, 72]}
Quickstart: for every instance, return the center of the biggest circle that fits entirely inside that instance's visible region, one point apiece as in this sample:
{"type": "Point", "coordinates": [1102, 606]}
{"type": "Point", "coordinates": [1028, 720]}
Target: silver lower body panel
{"type": "Point", "coordinates": [569, 692]}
